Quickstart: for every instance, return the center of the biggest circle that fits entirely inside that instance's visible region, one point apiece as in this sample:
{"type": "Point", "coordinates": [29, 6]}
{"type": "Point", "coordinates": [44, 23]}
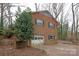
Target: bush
{"type": "Point", "coordinates": [8, 33]}
{"type": "Point", "coordinates": [1, 31]}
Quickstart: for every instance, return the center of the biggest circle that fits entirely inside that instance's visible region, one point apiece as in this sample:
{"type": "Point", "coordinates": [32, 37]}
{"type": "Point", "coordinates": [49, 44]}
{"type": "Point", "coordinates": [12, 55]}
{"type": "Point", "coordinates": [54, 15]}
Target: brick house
{"type": "Point", "coordinates": [45, 28]}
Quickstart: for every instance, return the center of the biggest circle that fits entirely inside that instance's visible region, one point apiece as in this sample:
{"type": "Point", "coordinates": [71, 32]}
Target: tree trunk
{"type": "Point", "coordinates": [9, 13]}
{"type": "Point", "coordinates": [29, 43]}
{"type": "Point", "coordinates": [73, 25]}
{"type": "Point", "coordinates": [61, 22]}
{"type": "Point", "coordinates": [2, 10]}
{"type": "Point", "coordinates": [77, 29]}
{"type": "Point", "coordinates": [36, 7]}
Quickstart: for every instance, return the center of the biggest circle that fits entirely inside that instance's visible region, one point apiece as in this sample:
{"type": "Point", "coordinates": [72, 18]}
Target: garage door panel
{"type": "Point", "coordinates": [38, 39]}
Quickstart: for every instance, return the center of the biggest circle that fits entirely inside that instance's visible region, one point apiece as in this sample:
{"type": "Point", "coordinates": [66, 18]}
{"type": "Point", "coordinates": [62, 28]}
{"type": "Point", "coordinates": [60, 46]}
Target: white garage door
{"type": "Point", "coordinates": [38, 40]}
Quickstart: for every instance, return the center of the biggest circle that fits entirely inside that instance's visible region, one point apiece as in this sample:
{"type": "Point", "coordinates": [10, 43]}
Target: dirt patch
{"type": "Point", "coordinates": [30, 51]}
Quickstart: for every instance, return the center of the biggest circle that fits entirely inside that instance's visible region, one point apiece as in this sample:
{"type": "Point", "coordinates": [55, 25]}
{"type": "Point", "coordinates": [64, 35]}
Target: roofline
{"type": "Point", "coordinates": [39, 12]}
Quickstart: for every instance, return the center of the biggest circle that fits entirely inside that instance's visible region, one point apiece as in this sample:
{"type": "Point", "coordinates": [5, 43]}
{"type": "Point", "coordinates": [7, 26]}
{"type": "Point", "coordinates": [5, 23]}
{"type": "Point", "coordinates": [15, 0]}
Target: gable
{"type": "Point", "coordinates": [45, 15]}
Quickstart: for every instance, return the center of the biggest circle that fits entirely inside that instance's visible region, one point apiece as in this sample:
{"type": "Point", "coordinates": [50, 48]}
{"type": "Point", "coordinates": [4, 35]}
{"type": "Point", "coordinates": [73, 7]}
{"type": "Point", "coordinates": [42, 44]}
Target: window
{"type": "Point", "coordinates": [35, 38]}
{"type": "Point", "coordinates": [50, 37]}
{"type": "Point", "coordinates": [38, 37]}
{"type": "Point", "coordinates": [50, 25]}
{"type": "Point", "coordinates": [39, 22]}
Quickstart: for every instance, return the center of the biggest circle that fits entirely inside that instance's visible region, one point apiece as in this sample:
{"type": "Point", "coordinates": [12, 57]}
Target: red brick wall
{"type": "Point", "coordinates": [44, 29]}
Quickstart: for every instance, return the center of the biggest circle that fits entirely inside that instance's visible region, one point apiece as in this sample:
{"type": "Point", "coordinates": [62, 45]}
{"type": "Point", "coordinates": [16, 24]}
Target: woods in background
{"type": "Point", "coordinates": [65, 31]}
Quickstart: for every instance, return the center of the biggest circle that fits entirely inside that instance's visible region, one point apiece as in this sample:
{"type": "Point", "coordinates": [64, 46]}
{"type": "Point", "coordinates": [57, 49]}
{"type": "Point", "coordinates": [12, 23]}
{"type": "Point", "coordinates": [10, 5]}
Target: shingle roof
{"type": "Point", "coordinates": [46, 12]}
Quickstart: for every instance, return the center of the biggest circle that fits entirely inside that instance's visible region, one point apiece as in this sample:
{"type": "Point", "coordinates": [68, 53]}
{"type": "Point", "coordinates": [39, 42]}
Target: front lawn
{"type": "Point", "coordinates": [30, 51]}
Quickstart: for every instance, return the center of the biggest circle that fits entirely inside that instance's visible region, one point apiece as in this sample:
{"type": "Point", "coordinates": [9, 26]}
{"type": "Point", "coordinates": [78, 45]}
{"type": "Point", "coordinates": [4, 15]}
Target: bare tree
{"type": "Point", "coordinates": [77, 21]}
{"type": "Point", "coordinates": [57, 8]}
{"type": "Point", "coordinates": [9, 14]}
{"type": "Point", "coordinates": [76, 34]}
{"type": "Point", "coordinates": [54, 8]}
{"type": "Point", "coordinates": [37, 6]}
{"type": "Point", "coordinates": [73, 24]}
{"type": "Point", "coordinates": [2, 10]}
{"type": "Point", "coordinates": [6, 14]}
{"type": "Point", "coordinates": [61, 20]}
{"type": "Point", "coordinates": [74, 30]}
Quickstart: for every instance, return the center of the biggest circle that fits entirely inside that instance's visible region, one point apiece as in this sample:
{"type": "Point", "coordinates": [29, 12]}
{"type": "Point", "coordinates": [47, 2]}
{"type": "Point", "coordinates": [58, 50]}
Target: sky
{"type": "Point", "coordinates": [32, 6]}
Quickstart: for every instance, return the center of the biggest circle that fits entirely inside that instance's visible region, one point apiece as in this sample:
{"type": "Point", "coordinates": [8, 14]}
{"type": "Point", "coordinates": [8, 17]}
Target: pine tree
{"type": "Point", "coordinates": [23, 26]}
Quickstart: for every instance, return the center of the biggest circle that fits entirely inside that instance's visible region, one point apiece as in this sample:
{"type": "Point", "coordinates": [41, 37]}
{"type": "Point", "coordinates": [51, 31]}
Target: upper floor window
{"type": "Point", "coordinates": [50, 25]}
{"type": "Point", "coordinates": [39, 22]}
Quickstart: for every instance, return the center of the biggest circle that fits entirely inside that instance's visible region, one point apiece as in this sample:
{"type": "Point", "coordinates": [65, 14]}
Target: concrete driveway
{"type": "Point", "coordinates": [61, 49]}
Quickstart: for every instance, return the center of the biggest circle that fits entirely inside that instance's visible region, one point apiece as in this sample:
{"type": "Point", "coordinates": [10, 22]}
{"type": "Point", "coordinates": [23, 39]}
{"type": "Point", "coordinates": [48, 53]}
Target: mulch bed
{"type": "Point", "coordinates": [28, 51]}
